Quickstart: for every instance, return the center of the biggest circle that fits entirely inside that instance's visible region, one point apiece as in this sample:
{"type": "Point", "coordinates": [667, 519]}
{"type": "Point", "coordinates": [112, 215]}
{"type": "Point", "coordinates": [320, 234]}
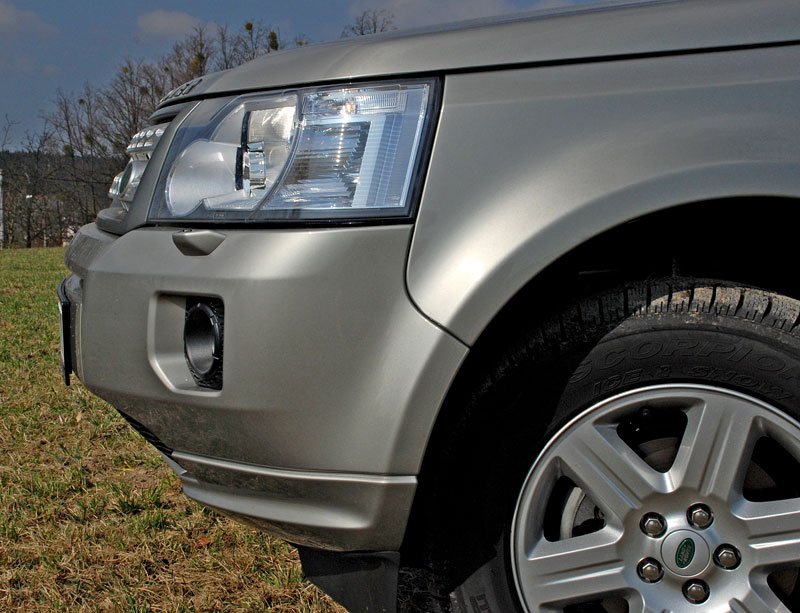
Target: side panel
{"type": "Point", "coordinates": [531, 163]}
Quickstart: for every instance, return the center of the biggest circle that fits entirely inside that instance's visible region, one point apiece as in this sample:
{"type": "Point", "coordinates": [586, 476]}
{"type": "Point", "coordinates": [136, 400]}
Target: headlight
{"type": "Point", "coordinates": [324, 153]}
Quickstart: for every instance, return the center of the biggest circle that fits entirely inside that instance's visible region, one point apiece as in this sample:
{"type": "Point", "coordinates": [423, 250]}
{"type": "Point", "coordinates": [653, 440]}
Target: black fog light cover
{"type": "Point", "coordinates": [202, 340]}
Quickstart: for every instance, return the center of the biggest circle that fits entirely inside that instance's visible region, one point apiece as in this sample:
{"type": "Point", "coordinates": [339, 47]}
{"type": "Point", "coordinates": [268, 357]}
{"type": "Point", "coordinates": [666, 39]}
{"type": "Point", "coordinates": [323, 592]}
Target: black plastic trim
{"type": "Point", "coordinates": [145, 433]}
{"type": "Point", "coordinates": [66, 331]}
{"type": "Point", "coordinates": [212, 312]}
{"type": "Point", "coordinates": [168, 112]}
{"type": "Point", "coordinates": [362, 581]}
{"type": "Point", "coordinates": [286, 224]}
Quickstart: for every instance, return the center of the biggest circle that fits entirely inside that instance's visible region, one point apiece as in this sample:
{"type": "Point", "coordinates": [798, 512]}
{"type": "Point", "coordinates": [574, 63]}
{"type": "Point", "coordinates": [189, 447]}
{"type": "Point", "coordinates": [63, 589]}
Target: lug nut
{"type": "Point", "coordinates": [696, 592]}
{"type": "Point", "coordinates": [650, 570]}
{"type": "Point", "coordinates": [700, 516]}
{"type": "Point", "coordinates": [653, 525]}
{"type": "Point", "coordinates": [727, 557]}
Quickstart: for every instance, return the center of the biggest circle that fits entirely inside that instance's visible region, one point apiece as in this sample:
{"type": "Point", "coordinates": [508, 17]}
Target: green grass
{"type": "Point", "coordinates": [90, 517]}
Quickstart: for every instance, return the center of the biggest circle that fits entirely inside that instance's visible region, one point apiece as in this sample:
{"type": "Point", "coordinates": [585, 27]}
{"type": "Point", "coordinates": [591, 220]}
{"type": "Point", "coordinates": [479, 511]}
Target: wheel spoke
{"type": "Point", "coordinates": [716, 448]}
{"type": "Point", "coordinates": [636, 603]}
{"type": "Point", "coordinates": [575, 569]}
{"type": "Point", "coordinates": [759, 599]}
{"type": "Point", "coordinates": [773, 530]}
{"type": "Point", "coordinates": [608, 470]}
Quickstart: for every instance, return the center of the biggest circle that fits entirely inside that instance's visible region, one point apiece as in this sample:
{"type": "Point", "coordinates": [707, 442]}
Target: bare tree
{"type": "Point", "coordinates": [128, 101]}
{"type": "Point", "coordinates": [39, 170]}
{"type": "Point", "coordinates": [225, 44]}
{"type": "Point", "coordinates": [371, 21]}
{"type": "Point", "coordinates": [5, 138]}
{"type": "Point", "coordinates": [92, 147]}
{"type": "Point", "coordinates": [189, 58]}
{"type": "Point", "coordinates": [5, 132]}
{"type": "Point", "coordinates": [252, 41]}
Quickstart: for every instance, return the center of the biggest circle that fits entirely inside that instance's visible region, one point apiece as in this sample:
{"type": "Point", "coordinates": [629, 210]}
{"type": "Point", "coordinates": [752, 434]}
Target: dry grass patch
{"type": "Point", "coordinates": [90, 517]}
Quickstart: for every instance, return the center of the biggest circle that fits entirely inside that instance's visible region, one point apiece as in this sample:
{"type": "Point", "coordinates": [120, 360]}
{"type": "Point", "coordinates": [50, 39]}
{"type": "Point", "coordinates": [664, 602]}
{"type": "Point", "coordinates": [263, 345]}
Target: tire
{"type": "Point", "coordinates": [631, 428]}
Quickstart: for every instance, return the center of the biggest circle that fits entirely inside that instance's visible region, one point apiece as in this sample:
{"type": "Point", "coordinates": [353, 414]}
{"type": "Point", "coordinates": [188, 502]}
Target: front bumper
{"type": "Point", "coordinates": [332, 379]}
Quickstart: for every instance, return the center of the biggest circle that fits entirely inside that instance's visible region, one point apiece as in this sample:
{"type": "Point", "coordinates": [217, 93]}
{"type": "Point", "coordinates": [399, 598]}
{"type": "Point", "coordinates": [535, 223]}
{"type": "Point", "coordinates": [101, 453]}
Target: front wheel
{"type": "Point", "coordinates": [667, 497]}
{"type": "Point", "coordinates": [666, 476]}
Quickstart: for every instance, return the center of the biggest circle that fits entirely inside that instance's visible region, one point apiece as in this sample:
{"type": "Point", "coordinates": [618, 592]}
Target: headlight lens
{"type": "Point", "coordinates": [326, 153]}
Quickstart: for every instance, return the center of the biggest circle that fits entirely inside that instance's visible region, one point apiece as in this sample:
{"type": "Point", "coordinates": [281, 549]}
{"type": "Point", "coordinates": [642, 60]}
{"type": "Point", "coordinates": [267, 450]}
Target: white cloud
{"type": "Point", "coordinates": [165, 25]}
{"type": "Point", "coordinates": [412, 13]}
{"type": "Point", "coordinates": [13, 21]}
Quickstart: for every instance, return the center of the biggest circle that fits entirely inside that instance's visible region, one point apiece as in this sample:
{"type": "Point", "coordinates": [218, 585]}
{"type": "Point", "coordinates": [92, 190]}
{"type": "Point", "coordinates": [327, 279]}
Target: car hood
{"type": "Point", "coordinates": [572, 34]}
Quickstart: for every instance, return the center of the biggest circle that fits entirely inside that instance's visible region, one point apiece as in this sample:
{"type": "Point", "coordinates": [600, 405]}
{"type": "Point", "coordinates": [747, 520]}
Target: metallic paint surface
{"type": "Point", "coordinates": [327, 364]}
{"type": "Point", "coordinates": [528, 164]}
{"type": "Point", "coordinates": [328, 369]}
{"type": "Point", "coordinates": [332, 511]}
{"type": "Point", "coordinates": [560, 35]}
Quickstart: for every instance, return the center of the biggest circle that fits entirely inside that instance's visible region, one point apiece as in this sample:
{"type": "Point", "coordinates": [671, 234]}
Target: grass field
{"type": "Point", "coordinates": [90, 517]}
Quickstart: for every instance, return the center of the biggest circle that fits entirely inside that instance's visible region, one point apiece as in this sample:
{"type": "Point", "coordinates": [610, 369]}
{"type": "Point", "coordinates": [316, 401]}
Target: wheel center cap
{"type": "Point", "coordinates": [685, 553]}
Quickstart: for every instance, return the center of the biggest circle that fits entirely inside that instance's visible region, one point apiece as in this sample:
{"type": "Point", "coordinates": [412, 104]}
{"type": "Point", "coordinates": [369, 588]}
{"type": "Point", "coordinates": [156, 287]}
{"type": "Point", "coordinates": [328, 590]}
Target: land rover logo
{"type": "Point", "coordinates": [685, 553]}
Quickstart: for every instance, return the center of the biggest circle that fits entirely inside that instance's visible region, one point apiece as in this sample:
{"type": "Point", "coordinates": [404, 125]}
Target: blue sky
{"type": "Point", "coordinates": [51, 44]}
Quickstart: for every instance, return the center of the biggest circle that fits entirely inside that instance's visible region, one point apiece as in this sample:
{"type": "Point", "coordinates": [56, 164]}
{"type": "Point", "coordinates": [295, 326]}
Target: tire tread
{"type": "Point", "coordinates": [681, 295]}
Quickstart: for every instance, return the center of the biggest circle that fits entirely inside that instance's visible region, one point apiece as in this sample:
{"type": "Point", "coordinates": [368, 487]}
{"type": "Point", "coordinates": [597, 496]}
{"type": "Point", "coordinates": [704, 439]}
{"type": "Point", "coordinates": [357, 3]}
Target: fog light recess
{"type": "Point", "coordinates": [203, 339]}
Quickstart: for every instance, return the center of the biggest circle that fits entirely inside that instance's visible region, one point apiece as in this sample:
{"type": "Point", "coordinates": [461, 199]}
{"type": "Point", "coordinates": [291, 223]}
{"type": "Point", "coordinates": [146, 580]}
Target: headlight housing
{"type": "Point", "coordinates": [332, 153]}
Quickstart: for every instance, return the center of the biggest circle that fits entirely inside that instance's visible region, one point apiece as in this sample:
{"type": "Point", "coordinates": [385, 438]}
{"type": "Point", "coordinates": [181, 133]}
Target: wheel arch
{"type": "Point", "coordinates": [465, 287]}
{"type": "Point", "coordinates": [742, 239]}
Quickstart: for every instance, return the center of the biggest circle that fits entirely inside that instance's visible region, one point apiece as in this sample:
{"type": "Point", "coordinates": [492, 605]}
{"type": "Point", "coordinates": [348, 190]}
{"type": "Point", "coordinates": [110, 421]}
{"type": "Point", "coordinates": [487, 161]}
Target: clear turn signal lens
{"type": "Point", "coordinates": [140, 149]}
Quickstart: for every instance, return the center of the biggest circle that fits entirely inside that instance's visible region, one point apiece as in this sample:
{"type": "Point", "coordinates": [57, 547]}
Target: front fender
{"type": "Point", "coordinates": [529, 164]}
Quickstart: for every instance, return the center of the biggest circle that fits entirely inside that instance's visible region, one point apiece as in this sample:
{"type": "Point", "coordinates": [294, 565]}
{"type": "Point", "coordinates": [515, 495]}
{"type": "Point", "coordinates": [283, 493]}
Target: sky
{"type": "Point", "coordinates": [47, 45]}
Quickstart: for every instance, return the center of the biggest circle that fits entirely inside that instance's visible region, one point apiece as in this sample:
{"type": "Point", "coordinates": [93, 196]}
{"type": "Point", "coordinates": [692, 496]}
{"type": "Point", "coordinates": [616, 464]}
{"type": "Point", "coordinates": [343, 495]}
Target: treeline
{"type": "Point", "coordinates": [59, 178]}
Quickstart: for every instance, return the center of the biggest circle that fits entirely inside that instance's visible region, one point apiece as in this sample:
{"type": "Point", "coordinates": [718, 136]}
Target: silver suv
{"type": "Point", "coordinates": [494, 317]}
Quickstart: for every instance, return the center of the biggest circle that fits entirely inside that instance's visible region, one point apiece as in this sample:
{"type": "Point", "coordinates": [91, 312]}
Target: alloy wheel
{"type": "Point", "coordinates": [663, 498]}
